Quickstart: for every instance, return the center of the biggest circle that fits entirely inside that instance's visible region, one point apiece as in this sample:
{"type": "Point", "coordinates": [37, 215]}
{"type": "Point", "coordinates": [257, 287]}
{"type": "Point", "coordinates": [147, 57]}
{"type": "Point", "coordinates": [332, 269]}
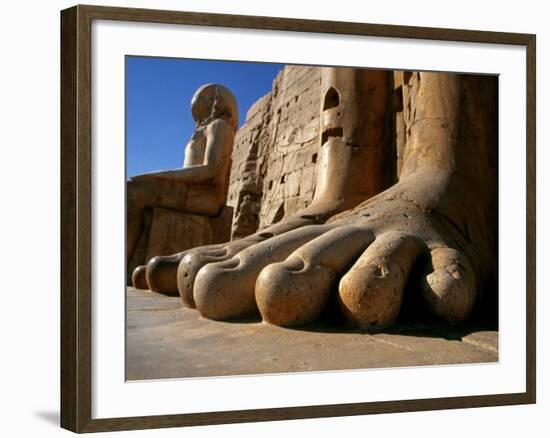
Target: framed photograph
{"type": "Point", "coordinates": [352, 230]}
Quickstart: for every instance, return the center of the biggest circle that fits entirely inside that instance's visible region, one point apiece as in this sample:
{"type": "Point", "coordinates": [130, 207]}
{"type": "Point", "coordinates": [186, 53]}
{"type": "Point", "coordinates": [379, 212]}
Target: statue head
{"type": "Point", "coordinates": [214, 101]}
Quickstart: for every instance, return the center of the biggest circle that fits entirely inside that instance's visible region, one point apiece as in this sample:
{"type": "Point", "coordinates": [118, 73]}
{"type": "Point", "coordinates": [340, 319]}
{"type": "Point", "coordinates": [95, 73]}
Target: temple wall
{"type": "Point", "coordinates": [274, 158]}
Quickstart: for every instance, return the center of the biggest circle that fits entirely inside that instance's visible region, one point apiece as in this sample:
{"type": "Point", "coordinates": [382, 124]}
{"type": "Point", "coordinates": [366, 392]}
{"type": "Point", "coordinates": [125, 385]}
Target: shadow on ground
{"type": "Point", "coordinates": [51, 417]}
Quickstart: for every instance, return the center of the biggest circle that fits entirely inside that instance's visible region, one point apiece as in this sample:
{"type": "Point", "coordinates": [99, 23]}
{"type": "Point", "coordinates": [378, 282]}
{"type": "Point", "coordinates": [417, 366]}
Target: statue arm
{"type": "Point", "coordinates": [218, 149]}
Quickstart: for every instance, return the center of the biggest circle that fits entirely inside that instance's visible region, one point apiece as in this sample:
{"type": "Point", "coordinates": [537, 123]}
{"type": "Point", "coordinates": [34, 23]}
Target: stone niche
{"type": "Point", "coordinates": [168, 231]}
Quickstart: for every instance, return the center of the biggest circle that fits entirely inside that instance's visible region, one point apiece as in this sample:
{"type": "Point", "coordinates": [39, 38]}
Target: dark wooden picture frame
{"type": "Point", "coordinates": [76, 222]}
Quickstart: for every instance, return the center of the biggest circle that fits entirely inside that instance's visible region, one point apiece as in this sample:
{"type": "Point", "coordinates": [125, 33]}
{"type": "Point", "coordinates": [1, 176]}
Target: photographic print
{"type": "Point", "coordinates": [268, 219]}
{"type": "Point", "coordinates": [293, 218]}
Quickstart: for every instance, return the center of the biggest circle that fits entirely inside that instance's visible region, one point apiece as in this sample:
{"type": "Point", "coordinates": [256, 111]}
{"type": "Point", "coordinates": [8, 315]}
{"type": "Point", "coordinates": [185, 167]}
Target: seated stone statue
{"type": "Point", "coordinates": [440, 218]}
{"type": "Point", "coordinates": [201, 186]}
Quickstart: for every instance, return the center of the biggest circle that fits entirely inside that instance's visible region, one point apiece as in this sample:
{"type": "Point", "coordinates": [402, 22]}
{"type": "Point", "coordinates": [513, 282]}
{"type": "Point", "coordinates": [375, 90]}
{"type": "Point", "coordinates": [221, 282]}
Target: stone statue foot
{"type": "Point", "coordinates": [364, 259]}
{"type": "Point", "coordinates": [225, 290]}
{"type": "Point", "coordinates": [195, 259]}
{"type": "Point", "coordinates": [139, 280]}
{"type": "Point", "coordinates": [192, 261]}
{"type": "Point", "coordinates": [160, 273]}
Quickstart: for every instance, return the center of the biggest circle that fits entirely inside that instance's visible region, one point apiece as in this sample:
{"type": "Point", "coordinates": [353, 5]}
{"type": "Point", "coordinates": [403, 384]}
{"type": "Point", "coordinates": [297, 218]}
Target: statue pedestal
{"type": "Point", "coordinates": [167, 232]}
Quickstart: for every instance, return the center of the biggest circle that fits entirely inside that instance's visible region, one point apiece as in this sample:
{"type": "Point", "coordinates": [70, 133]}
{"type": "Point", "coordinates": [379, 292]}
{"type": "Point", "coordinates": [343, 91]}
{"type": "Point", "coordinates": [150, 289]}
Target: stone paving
{"type": "Point", "coordinates": [165, 340]}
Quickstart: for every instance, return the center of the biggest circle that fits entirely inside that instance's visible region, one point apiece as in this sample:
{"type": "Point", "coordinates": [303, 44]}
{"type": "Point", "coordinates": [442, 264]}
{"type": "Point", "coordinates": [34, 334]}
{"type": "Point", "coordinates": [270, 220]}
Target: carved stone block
{"type": "Point", "coordinates": [172, 231]}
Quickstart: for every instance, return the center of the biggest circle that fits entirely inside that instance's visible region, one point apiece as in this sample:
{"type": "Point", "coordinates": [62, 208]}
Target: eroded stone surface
{"type": "Point", "coordinates": [277, 151]}
{"type": "Point", "coordinates": [352, 167]}
{"type": "Point", "coordinates": [443, 207]}
{"type": "Point", "coordinates": [172, 232]}
{"type": "Point", "coordinates": [275, 158]}
{"type": "Point", "coordinates": [432, 232]}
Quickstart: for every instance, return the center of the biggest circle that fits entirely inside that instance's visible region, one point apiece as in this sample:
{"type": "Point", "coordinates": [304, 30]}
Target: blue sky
{"type": "Point", "coordinates": [158, 96]}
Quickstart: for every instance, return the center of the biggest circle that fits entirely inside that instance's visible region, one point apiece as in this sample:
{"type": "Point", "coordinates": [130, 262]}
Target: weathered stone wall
{"type": "Point", "coordinates": [245, 189]}
{"type": "Point", "coordinates": [275, 153]}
